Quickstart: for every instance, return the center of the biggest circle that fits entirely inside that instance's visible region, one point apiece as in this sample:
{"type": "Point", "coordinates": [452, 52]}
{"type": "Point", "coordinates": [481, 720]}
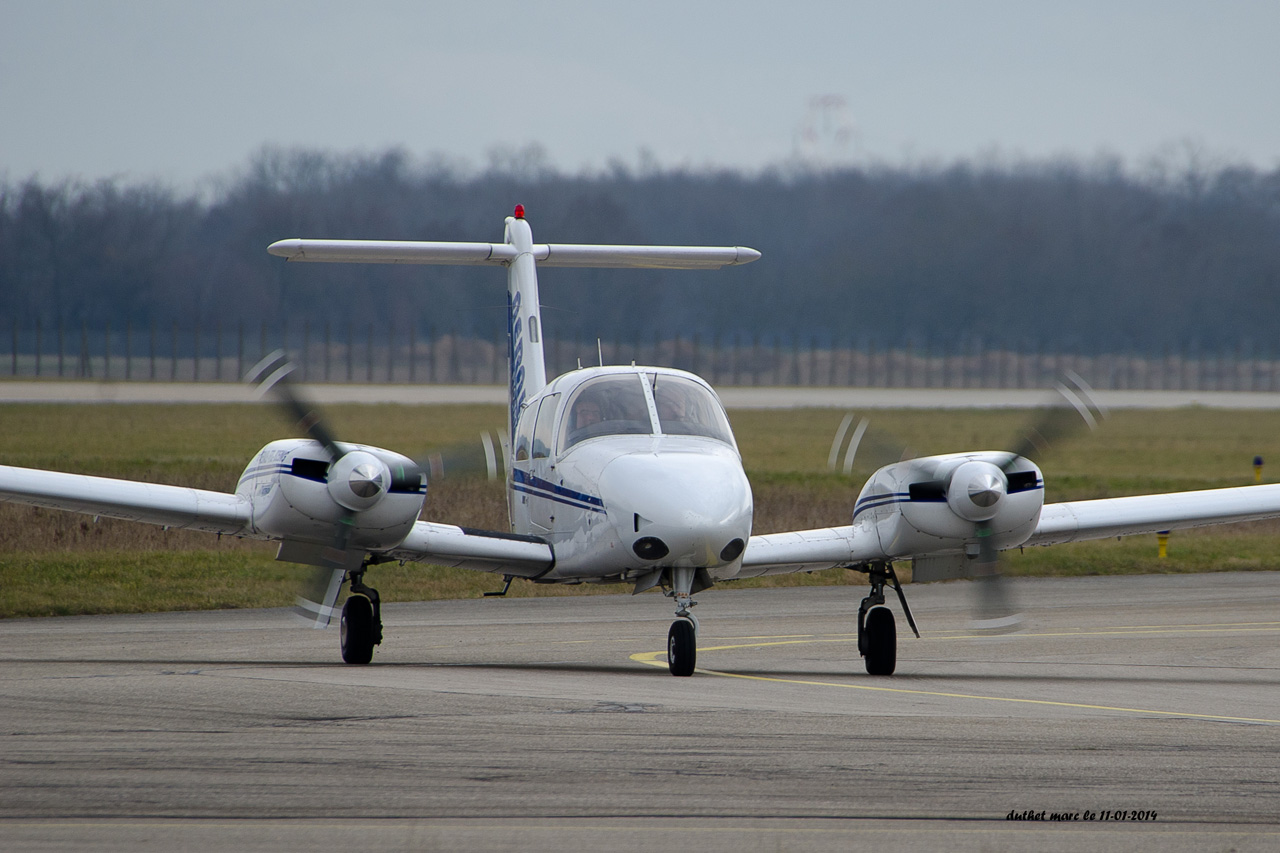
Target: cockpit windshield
{"type": "Point", "coordinates": [687, 408]}
{"type": "Point", "coordinates": [608, 405]}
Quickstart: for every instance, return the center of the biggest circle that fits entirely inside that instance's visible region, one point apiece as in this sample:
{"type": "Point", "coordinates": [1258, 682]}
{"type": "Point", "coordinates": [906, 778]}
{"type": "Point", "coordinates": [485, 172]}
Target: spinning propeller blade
{"type": "Point", "coordinates": [317, 600]}
{"type": "Point", "coordinates": [995, 610]}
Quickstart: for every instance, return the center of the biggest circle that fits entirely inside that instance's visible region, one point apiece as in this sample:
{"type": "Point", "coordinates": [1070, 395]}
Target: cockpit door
{"type": "Point", "coordinates": [542, 510]}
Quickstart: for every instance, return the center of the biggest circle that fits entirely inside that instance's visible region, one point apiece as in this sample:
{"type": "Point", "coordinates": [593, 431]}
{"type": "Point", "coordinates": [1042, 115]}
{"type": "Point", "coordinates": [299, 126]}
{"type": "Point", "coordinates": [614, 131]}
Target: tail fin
{"type": "Point", "coordinates": [526, 366]}
{"type": "Point", "coordinates": [527, 372]}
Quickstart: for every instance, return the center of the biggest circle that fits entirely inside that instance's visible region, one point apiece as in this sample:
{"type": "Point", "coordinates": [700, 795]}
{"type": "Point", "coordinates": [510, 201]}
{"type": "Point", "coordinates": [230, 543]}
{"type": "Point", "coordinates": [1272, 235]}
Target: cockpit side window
{"type": "Point", "coordinates": [524, 435]}
{"type": "Point", "coordinates": [607, 405]}
{"type": "Point", "coordinates": [544, 427]}
{"type": "Point", "coordinates": [687, 408]}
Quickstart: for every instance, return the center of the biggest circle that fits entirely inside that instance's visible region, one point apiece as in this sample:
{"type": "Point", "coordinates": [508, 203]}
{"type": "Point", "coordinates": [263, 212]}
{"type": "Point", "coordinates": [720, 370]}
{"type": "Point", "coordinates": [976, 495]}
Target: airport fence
{"type": "Point", "coordinates": [405, 355]}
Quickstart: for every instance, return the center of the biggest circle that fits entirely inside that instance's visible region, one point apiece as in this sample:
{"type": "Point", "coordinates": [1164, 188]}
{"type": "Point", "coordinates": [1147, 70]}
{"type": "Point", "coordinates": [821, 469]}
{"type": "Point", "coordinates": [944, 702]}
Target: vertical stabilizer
{"type": "Point", "coordinates": [526, 367]}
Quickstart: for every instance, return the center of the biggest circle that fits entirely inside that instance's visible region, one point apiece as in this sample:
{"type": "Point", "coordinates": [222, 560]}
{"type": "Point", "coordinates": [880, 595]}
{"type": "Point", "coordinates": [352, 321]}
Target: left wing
{"type": "Point", "coordinates": [808, 551]}
{"type": "Point", "coordinates": [1072, 521]}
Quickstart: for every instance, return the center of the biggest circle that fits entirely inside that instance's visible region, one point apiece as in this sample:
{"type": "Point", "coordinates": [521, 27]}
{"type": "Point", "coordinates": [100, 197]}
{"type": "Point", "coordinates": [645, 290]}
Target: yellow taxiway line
{"type": "Point", "coordinates": [659, 659]}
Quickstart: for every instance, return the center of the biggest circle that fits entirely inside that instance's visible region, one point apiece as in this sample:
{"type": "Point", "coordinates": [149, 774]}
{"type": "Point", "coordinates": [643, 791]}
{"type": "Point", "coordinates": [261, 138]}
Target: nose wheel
{"type": "Point", "coordinates": [682, 639]}
{"type": "Point", "coordinates": [682, 648]}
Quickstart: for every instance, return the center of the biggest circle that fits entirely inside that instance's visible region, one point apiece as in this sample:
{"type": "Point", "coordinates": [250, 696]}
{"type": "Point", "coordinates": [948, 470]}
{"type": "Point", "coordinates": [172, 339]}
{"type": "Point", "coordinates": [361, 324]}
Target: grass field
{"type": "Point", "coordinates": [59, 563]}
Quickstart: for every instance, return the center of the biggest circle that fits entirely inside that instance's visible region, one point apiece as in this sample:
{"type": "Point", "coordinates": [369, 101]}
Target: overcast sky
{"type": "Point", "coordinates": [180, 91]}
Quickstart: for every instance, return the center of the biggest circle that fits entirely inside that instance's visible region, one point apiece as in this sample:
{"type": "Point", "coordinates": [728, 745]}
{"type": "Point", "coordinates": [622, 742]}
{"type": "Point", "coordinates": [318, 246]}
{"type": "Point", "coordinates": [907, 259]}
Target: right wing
{"type": "Point", "coordinates": [171, 506]}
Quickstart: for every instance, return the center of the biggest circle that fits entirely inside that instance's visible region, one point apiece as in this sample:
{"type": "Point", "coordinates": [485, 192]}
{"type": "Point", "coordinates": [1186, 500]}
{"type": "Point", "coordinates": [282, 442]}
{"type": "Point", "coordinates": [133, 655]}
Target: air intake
{"type": "Point", "coordinates": [650, 548]}
{"type": "Point", "coordinates": [732, 550]}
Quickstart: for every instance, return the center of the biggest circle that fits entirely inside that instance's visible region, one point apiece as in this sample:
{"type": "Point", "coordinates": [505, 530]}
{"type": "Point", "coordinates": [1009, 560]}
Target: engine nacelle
{"type": "Point", "coordinates": [299, 495]}
{"type": "Point", "coordinates": [936, 503]}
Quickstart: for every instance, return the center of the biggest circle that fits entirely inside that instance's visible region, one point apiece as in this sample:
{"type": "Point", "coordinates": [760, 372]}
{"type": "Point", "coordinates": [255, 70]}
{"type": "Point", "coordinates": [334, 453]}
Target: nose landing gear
{"type": "Point", "coordinates": [682, 639]}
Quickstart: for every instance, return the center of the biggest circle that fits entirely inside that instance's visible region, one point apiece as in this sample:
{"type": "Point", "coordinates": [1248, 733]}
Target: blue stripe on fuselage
{"type": "Point", "coordinates": [524, 482]}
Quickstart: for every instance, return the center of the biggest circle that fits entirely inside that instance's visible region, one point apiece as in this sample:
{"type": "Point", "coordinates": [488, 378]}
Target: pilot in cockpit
{"type": "Point", "coordinates": [671, 405]}
{"type": "Point", "coordinates": [675, 414]}
{"type": "Point", "coordinates": [586, 412]}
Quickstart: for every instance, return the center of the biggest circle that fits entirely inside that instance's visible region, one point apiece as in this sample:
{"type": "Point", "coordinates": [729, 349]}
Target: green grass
{"type": "Point", "coordinates": [60, 563]}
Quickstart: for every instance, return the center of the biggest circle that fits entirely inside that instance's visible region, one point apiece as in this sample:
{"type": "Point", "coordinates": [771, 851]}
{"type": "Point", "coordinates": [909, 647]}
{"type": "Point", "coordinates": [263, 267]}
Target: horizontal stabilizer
{"type": "Point", "coordinates": [546, 254]}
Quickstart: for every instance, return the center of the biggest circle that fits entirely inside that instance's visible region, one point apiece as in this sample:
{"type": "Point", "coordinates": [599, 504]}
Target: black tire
{"type": "Point", "coordinates": [682, 648]}
{"type": "Point", "coordinates": [882, 641]}
{"type": "Point", "coordinates": [358, 630]}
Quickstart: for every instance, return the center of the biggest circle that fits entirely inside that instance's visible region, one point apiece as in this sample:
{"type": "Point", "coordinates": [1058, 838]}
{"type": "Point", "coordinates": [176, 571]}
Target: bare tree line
{"type": "Point", "coordinates": [1035, 258]}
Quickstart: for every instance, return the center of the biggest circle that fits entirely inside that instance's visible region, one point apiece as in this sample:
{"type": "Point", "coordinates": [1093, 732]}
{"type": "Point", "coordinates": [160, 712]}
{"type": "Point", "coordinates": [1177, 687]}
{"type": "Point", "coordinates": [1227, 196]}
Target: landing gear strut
{"type": "Point", "coordinates": [682, 639]}
{"type": "Point", "coordinates": [877, 633]}
{"type": "Point", "coordinates": [361, 626]}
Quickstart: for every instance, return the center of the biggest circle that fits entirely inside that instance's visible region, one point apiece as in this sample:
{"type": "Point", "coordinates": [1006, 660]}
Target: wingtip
{"type": "Point", "coordinates": [286, 248]}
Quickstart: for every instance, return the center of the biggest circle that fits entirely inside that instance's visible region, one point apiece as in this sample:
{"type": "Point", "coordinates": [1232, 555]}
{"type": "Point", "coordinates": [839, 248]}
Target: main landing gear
{"type": "Point", "coordinates": [877, 634]}
{"type": "Point", "coordinates": [682, 639]}
{"type": "Point", "coordinates": [361, 626]}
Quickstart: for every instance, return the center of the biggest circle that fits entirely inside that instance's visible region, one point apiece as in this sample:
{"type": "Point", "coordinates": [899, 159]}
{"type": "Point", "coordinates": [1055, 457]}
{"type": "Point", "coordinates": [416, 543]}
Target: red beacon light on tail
{"type": "Point", "coordinates": [519, 214]}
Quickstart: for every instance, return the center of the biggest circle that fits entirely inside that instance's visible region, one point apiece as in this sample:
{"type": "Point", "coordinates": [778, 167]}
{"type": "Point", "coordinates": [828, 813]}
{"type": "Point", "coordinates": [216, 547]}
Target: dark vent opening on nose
{"type": "Point", "coordinates": [1022, 481]}
{"type": "Point", "coordinates": [407, 479]}
{"type": "Point", "coordinates": [310, 469]}
{"type": "Point", "coordinates": [650, 548]}
{"type": "Point", "coordinates": [732, 550]}
{"type": "Point", "coordinates": [928, 491]}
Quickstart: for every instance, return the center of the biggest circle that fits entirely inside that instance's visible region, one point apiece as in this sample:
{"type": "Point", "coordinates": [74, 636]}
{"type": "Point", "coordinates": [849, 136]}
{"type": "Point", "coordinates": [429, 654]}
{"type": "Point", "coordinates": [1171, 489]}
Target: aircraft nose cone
{"type": "Point", "coordinates": [697, 506]}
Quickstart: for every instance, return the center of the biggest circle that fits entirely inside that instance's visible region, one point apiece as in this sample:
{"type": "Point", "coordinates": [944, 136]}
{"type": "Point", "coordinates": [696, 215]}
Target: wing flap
{"type": "Point", "coordinates": [1074, 521]}
{"type": "Point", "coordinates": [171, 506]}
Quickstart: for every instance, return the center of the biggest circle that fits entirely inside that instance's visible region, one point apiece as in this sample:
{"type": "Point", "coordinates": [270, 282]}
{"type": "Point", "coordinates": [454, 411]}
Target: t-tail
{"type": "Point", "coordinates": [526, 367]}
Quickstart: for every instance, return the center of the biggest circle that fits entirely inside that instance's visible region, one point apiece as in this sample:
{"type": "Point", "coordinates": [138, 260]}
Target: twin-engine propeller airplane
{"type": "Point", "coordinates": [617, 474]}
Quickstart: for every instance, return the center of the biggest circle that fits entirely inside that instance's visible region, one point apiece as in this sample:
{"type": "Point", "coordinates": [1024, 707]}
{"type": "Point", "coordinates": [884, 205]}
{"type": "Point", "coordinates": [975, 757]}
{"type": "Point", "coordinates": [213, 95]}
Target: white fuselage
{"type": "Point", "coordinates": [637, 491]}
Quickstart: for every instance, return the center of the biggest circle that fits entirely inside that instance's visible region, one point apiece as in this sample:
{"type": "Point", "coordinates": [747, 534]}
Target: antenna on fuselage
{"type": "Point", "coordinates": [600, 352]}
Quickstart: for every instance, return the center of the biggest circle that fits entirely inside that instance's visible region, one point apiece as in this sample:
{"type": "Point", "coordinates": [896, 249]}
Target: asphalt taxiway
{"type": "Point", "coordinates": [553, 724]}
